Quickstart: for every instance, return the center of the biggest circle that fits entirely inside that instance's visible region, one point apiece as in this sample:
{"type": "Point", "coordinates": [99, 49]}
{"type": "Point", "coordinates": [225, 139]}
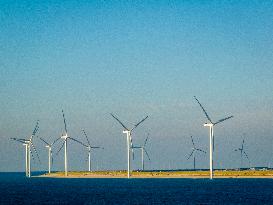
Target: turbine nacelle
{"type": "Point", "coordinates": [126, 131]}
{"type": "Point", "coordinates": [28, 142]}
{"type": "Point", "coordinates": [64, 136]}
{"type": "Point", "coordinates": [208, 125]}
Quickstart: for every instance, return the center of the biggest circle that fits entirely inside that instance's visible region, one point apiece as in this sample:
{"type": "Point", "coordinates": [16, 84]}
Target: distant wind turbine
{"type": "Point", "coordinates": [129, 139]}
{"type": "Point", "coordinates": [194, 149]}
{"type": "Point", "coordinates": [49, 147]}
{"type": "Point", "coordinates": [211, 136]}
{"type": "Point", "coordinates": [142, 148]}
{"type": "Point", "coordinates": [89, 147]}
{"type": "Point", "coordinates": [28, 143]}
{"type": "Point", "coordinates": [66, 137]}
{"type": "Point", "coordinates": [242, 153]}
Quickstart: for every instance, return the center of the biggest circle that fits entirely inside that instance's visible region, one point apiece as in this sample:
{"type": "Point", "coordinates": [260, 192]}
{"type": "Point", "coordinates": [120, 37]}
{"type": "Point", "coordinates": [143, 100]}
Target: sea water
{"type": "Point", "coordinates": [15, 188]}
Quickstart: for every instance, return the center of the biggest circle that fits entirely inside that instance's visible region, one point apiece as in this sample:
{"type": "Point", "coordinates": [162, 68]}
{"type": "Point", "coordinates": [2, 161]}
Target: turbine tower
{"type": "Point", "coordinates": [128, 133]}
{"type": "Point", "coordinates": [211, 125]}
{"type": "Point", "coordinates": [242, 153]}
{"type": "Point", "coordinates": [89, 147]}
{"type": "Point", "coordinates": [49, 147]}
{"type": "Point", "coordinates": [194, 149]}
{"type": "Point", "coordinates": [142, 148]}
{"type": "Point", "coordinates": [28, 145]}
{"type": "Point", "coordinates": [65, 136]}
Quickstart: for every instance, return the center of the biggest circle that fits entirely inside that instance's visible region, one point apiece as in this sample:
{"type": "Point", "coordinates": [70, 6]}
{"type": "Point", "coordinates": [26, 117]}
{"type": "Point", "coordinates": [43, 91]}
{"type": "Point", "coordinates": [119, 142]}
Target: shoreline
{"type": "Point", "coordinates": [163, 174]}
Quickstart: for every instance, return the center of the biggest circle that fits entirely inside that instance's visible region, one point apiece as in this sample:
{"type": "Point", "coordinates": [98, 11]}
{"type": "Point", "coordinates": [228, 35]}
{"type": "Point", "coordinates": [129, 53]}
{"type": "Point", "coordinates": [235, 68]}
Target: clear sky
{"type": "Point", "coordinates": [134, 59]}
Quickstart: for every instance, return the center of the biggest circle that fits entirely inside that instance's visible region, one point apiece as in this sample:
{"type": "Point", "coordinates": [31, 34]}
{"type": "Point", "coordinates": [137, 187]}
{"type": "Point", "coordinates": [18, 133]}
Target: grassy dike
{"type": "Point", "coordinates": [164, 174]}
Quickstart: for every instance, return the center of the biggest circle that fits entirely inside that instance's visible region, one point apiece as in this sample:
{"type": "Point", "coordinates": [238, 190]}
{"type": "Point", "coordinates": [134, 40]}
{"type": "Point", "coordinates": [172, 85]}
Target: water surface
{"type": "Point", "coordinates": [16, 189]}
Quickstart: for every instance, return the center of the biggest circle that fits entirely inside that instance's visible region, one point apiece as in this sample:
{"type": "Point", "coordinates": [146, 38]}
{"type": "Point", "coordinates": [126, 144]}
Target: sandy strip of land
{"type": "Point", "coordinates": [180, 174]}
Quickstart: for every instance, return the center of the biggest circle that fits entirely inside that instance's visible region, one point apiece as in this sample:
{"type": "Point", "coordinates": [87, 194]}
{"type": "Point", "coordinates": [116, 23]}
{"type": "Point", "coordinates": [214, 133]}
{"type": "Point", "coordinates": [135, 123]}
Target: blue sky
{"type": "Point", "coordinates": [136, 59]}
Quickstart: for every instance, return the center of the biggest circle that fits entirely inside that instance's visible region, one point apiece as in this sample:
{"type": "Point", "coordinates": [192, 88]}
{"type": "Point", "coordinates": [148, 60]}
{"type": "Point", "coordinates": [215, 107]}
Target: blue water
{"type": "Point", "coordinates": [16, 189]}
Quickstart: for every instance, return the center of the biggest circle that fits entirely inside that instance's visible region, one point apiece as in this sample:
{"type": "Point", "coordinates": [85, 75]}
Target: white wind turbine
{"type": "Point", "coordinates": [28, 145]}
{"type": "Point", "coordinates": [194, 149]}
{"type": "Point", "coordinates": [25, 143]}
{"type": "Point", "coordinates": [211, 136]}
{"type": "Point", "coordinates": [242, 153]}
{"type": "Point", "coordinates": [66, 137]}
{"type": "Point", "coordinates": [89, 148]}
{"type": "Point", "coordinates": [49, 147]}
{"type": "Point", "coordinates": [142, 148]}
{"type": "Point", "coordinates": [128, 133]}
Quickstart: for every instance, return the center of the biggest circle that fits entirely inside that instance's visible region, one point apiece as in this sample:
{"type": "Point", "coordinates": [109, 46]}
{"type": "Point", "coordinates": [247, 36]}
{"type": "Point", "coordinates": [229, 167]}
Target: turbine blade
{"type": "Point", "coordinates": [147, 154]}
{"type": "Point", "coordinates": [243, 144]}
{"type": "Point", "coordinates": [223, 120]}
{"type": "Point", "coordinates": [32, 145]}
{"type": "Point", "coordinates": [84, 133]}
{"type": "Point", "coordinates": [35, 129]}
{"type": "Point", "coordinates": [95, 147]}
{"type": "Point", "coordinates": [119, 121]}
{"type": "Point", "coordinates": [201, 150]}
{"type": "Point", "coordinates": [203, 109]}
{"type": "Point", "coordinates": [141, 121]}
{"type": "Point", "coordinates": [60, 148]}
{"type": "Point", "coordinates": [65, 127]}
{"type": "Point", "coordinates": [21, 139]}
{"type": "Point", "coordinates": [192, 142]}
{"type": "Point", "coordinates": [131, 141]}
{"type": "Point", "coordinates": [18, 140]}
{"type": "Point", "coordinates": [131, 145]}
{"type": "Point", "coordinates": [77, 141]}
{"type": "Point", "coordinates": [246, 156]}
{"type": "Point", "coordinates": [13, 138]}
{"type": "Point", "coordinates": [44, 141]}
{"type": "Point", "coordinates": [31, 155]}
{"type": "Point", "coordinates": [190, 155]}
{"type": "Point", "coordinates": [56, 140]}
{"type": "Point", "coordinates": [133, 154]}
{"type": "Point", "coordinates": [146, 140]}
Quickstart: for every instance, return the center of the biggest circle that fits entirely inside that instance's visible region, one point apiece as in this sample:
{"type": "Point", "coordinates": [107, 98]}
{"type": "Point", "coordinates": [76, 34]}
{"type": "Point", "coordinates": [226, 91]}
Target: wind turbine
{"type": "Point", "coordinates": [25, 143]}
{"type": "Point", "coordinates": [28, 144]}
{"type": "Point", "coordinates": [49, 147]}
{"type": "Point", "coordinates": [129, 139]}
{"type": "Point", "coordinates": [242, 152]}
{"type": "Point", "coordinates": [194, 149]}
{"type": "Point", "coordinates": [66, 137]}
{"type": "Point", "coordinates": [142, 148]}
{"type": "Point", "coordinates": [89, 147]}
{"type": "Point", "coordinates": [211, 124]}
